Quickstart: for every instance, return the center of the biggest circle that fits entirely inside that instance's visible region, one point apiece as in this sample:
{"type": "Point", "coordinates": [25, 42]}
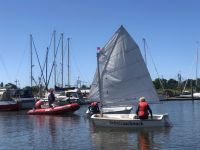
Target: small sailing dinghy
{"type": "Point", "coordinates": [57, 110]}
{"type": "Point", "coordinates": [121, 78]}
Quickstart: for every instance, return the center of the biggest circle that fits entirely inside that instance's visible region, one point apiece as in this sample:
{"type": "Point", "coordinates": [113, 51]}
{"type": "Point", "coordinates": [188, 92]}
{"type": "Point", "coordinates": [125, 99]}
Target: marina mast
{"type": "Point", "coordinates": [31, 53]}
{"type": "Point", "coordinates": [54, 58]}
{"type": "Point", "coordinates": [197, 61]}
{"type": "Point", "coordinates": [62, 58]}
{"type": "Point", "coordinates": [68, 63]}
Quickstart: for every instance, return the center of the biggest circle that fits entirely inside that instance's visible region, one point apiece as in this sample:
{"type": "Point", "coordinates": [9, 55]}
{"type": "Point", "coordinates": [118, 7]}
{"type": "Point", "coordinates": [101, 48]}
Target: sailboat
{"type": "Point", "coordinates": [121, 78]}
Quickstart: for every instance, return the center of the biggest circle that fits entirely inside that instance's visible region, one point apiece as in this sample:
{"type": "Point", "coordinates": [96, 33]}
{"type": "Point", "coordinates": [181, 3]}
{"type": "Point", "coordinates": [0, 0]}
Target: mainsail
{"type": "Point", "coordinates": [123, 74]}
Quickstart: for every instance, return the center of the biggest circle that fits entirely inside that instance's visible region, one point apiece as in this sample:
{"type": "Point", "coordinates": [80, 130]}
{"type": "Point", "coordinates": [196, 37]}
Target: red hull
{"type": "Point", "coordinates": [8, 106]}
{"type": "Point", "coordinates": [65, 109]}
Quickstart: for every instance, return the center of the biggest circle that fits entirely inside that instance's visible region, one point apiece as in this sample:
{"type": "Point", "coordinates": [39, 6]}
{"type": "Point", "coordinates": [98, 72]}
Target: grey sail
{"type": "Point", "coordinates": [123, 72]}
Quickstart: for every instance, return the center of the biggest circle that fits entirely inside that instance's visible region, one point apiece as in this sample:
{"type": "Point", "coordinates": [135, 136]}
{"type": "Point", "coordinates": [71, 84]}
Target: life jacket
{"type": "Point", "coordinates": [94, 107]}
{"type": "Point", "coordinates": [93, 104]}
{"type": "Point", "coordinates": [143, 109]}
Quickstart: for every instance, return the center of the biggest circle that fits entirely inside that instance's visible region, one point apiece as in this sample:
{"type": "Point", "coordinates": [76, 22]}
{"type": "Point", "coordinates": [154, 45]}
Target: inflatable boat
{"type": "Point", "coordinates": [65, 109]}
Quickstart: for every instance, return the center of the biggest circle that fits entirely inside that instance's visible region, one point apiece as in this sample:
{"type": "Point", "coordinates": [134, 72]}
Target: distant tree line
{"type": "Point", "coordinates": [174, 87]}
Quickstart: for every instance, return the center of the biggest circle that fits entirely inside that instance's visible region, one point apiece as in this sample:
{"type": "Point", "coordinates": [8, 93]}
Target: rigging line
{"type": "Point", "coordinates": [54, 61]}
{"type": "Point", "coordinates": [192, 68]}
{"type": "Point", "coordinates": [21, 60]}
{"type": "Point", "coordinates": [35, 81]}
{"type": "Point", "coordinates": [38, 60]}
{"type": "Point", "coordinates": [46, 54]}
{"type": "Point", "coordinates": [42, 71]}
{"type": "Point", "coordinates": [76, 64]}
{"type": "Point", "coordinates": [51, 40]}
{"type": "Point", "coordinates": [155, 67]}
{"type": "Point", "coordinates": [5, 68]}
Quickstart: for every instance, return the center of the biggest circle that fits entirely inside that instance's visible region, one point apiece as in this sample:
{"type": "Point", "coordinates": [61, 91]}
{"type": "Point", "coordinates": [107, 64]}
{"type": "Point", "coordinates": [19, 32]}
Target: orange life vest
{"type": "Point", "coordinates": [143, 109]}
{"type": "Point", "coordinates": [94, 104]}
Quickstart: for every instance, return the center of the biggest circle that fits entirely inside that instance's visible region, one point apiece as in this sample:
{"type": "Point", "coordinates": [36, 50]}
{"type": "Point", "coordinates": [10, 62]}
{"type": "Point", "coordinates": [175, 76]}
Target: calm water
{"type": "Point", "coordinates": [20, 131]}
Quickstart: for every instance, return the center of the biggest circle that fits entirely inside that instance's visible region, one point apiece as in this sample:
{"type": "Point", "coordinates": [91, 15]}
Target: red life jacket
{"type": "Point", "coordinates": [143, 109]}
{"type": "Point", "coordinates": [94, 104]}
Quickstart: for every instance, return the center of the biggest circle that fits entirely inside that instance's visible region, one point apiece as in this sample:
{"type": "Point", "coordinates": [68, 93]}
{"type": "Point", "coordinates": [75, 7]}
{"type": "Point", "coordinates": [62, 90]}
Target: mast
{"type": "Point", "coordinates": [47, 68]}
{"type": "Point", "coordinates": [68, 65]}
{"type": "Point", "coordinates": [145, 58]}
{"type": "Point", "coordinates": [62, 58]}
{"type": "Point", "coordinates": [197, 67]}
{"type": "Point", "coordinates": [54, 58]}
{"type": "Point", "coordinates": [31, 53]}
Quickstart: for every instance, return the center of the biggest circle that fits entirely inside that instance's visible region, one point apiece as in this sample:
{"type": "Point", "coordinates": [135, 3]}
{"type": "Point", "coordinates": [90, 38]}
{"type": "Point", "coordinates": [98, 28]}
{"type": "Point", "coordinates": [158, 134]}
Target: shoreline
{"type": "Point", "coordinates": [180, 99]}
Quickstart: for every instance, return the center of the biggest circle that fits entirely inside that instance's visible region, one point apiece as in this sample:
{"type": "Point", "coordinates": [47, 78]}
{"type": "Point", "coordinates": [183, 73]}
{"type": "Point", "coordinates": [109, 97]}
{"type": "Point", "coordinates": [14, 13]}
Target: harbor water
{"type": "Point", "coordinates": [25, 132]}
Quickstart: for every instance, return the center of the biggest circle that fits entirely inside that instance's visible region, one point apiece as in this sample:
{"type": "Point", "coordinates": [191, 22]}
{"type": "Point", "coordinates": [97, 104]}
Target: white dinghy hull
{"type": "Point", "coordinates": [117, 110]}
{"type": "Point", "coordinates": [130, 121]}
{"type": "Point", "coordinates": [113, 110]}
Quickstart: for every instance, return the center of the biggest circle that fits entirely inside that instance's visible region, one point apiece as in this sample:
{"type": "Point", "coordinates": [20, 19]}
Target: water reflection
{"type": "Point", "coordinates": [143, 140]}
{"type": "Point", "coordinates": [78, 132]}
{"type": "Point", "coordinates": [51, 132]}
{"type": "Point", "coordinates": [140, 139]}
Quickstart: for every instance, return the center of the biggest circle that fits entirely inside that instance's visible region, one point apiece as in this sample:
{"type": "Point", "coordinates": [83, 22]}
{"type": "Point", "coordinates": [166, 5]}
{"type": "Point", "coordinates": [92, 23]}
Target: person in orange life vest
{"type": "Point", "coordinates": [94, 108]}
{"type": "Point", "coordinates": [143, 109]}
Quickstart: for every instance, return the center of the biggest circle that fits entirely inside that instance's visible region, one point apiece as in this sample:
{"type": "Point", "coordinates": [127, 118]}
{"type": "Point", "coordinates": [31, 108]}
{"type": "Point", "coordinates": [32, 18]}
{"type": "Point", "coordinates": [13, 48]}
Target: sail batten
{"type": "Point", "coordinates": [124, 75]}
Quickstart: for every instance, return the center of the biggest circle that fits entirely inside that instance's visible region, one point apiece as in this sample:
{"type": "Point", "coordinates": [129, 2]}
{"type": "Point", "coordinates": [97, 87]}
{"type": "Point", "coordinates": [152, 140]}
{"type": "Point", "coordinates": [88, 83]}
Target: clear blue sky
{"type": "Point", "coordinates": [171, 28]}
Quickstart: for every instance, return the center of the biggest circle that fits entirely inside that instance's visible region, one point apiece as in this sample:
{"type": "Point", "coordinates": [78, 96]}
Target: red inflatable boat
{"type": "Point", "coordinates": [65, 109]}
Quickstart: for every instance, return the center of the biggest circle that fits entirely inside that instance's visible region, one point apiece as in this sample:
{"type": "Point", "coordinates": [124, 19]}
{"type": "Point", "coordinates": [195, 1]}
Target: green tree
{"type": "Point", "coordinates": [157, 83]}
{"type": "Point", "coordinates": [84, 87]}
{"type": "Point", "coordinates": [172, 84]}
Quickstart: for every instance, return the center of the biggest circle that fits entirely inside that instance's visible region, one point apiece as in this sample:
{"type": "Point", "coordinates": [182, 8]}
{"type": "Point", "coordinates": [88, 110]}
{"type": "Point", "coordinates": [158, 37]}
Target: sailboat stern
{"type": "Point", "coordinates": [166, 120]}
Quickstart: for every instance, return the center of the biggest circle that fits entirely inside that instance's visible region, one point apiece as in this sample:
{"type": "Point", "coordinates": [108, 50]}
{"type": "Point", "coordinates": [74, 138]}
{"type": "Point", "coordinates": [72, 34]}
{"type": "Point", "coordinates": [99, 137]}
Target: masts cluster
{"type": "Point", "coordinates": [45, 72]}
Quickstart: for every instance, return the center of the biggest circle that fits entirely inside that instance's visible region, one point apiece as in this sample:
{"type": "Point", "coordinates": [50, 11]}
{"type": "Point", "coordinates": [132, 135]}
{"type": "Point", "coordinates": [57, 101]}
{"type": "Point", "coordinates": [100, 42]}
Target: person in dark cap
{"type": "Point", "coordinates": [94, 108]}
{"type": "Point", "coordinates": [51, 97]}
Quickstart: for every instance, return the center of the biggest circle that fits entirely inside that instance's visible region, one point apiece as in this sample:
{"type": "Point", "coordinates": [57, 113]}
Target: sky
{"type": "Point", "coordinates": [171, 29]}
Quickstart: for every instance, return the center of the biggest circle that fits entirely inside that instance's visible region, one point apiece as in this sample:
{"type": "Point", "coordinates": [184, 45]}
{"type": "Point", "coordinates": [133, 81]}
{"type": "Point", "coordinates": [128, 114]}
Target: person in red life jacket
{"type": "Point", "coordinates": [94, 108]}
{"type": "Point", "coordinates": [51, 98]}
{"type": "Point", "coordinates": [143, 109]}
